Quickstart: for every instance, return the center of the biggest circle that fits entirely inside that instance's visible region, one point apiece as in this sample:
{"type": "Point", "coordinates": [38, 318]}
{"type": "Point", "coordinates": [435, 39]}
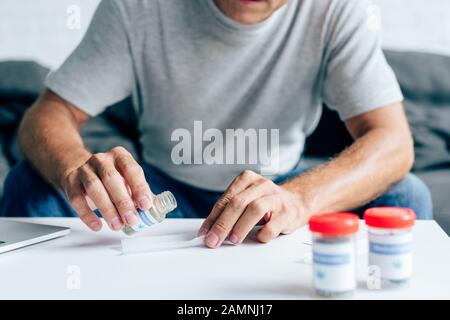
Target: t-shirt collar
{"type": "Point", "coordinates": [233, 25]}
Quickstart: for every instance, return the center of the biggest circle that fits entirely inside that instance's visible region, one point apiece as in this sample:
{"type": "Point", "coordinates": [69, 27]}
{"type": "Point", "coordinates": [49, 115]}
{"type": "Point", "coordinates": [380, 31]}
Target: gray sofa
{"type": "Point", "coordinates": [424, 79]}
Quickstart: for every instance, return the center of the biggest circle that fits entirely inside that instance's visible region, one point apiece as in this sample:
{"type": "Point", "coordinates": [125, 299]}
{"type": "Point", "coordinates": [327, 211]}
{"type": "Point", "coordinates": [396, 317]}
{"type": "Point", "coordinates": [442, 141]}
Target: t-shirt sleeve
{"type": "Point", "coordinates": [99, 72]}
{"type": "Point", "coordinates": [357, 78]}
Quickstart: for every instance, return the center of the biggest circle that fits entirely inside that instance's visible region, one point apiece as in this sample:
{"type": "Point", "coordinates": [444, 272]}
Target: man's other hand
{"type": "Point", "coordinates": [249, 200]}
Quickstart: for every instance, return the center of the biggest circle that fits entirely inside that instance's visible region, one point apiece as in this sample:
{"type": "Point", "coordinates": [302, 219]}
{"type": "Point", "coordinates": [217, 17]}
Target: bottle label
{"type": "Point", "coordinates": [392, 254]}
{"type": "Point", "coordinates": [145, 220]}
{"type": "Point", "coordinates": [334, 266]}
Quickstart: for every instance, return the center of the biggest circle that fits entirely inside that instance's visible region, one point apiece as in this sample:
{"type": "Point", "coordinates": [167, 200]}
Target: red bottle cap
{"type": "Point", "coordinates": [389, 217]}
{"type": "Point", "coordinates": [334, 224]}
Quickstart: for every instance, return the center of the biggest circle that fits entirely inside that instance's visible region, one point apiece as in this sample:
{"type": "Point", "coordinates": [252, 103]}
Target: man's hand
{"type": "Point", "coordinates": [115, 183]}
{"type": "Point", "coordinates": [249, 199]}
{"type": "Point", "coordinates": [50, 139]}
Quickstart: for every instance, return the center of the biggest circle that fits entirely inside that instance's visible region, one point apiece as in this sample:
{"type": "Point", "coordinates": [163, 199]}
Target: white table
{"type": "Point", "coordinates": [251, 271]}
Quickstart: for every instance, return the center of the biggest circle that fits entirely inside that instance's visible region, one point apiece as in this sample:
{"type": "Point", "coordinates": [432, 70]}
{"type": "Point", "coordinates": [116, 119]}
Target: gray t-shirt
{"type": "Point", "coordinates": [193, 73]}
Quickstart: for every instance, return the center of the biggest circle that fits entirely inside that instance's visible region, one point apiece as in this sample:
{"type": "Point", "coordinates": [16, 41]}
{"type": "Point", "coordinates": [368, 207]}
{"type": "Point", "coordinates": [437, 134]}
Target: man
{"type": "Point", "coordinates": [226, 64]}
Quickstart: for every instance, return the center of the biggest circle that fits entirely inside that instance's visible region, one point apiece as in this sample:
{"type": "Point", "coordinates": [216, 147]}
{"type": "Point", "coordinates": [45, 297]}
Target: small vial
{"type": "Point", "coordinates": [163, 204]}
{"type": "Point", "coordinates": [334, 252]}
{"type": "Point", "coordinates": [390, 233]}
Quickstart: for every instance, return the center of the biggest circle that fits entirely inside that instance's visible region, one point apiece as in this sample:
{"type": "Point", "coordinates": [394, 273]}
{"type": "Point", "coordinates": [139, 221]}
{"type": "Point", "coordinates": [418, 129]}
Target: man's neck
{"type": "Point", "coordinates": [243, 11]}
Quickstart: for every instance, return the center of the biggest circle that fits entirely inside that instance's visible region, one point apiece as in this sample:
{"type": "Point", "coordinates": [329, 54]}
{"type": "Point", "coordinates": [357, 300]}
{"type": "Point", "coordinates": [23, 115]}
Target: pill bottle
{"type": "Point", "coordinates": [163, 204]}
{"type": "Point", "coordinates": [390, 235]}
{"type": "Point", "coordinates": [334, 251]}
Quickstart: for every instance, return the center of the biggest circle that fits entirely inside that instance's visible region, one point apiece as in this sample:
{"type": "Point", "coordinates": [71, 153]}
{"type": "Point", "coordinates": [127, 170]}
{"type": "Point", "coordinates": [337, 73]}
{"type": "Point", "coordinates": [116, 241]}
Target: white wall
{"type": "Point", "coordinates": [36, 29]}
{"type": "Point", "coordinates": [422, 25]}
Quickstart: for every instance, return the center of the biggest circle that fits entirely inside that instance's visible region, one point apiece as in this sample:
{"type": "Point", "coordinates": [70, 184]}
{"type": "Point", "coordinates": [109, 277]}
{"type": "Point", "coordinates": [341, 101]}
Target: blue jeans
{"type": "Point", "coordinates": [28, 195]}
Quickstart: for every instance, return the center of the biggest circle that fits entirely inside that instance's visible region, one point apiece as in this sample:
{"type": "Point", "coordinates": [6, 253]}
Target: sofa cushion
{"type": "Point", "coordinates": [424, 77]}
{"type": "Point", "coordinates": [439, 183]}
{"type": "Point", "coordinates": [424, 80]}
{"type": "Point", "coordinates": [20, 83]}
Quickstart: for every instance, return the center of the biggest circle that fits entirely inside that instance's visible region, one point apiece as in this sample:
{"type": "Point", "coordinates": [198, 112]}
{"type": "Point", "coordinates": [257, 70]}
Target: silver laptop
{"type": "Point", "coordinates": [16, 235]}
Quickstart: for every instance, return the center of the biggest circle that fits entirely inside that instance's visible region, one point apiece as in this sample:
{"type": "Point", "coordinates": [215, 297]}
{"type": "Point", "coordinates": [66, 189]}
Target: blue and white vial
{"type": "Point", "coordinates": [163, 204]}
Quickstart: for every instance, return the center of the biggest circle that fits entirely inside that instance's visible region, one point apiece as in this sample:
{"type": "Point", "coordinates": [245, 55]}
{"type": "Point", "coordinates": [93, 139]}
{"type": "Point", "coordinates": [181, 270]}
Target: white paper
{"type": "Point", "coordinates": [160, 243]}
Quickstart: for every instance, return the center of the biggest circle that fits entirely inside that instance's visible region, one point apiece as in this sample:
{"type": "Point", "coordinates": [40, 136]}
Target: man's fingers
{"type": "Point", "coordinates": [111, 183]}
{"type": "Point", "coordinates": [135, 178]}
{"type": "Point", "coordinates": [234, 209]}
{"type": "Point", "coordinates": [78, 201]}
{"type": "Point", "coordinates": [239, 184]}
{"type": "Point", "coordinates": [95, 190]}
{"type": "Point", "coordinates": [255, 211]}
{"type": "Point", "coordinates": [215, 212]}
{"type": "Point", "coordinates": [117, 190]}
{"type": "Point", "coordinates": [272, 229]}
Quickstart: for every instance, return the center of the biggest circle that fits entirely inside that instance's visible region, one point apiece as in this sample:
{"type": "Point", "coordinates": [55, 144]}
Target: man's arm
{"type": "Point", "coordinates": [381, 155]}
{"type": "Point", "coordinates": [49, 136]}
